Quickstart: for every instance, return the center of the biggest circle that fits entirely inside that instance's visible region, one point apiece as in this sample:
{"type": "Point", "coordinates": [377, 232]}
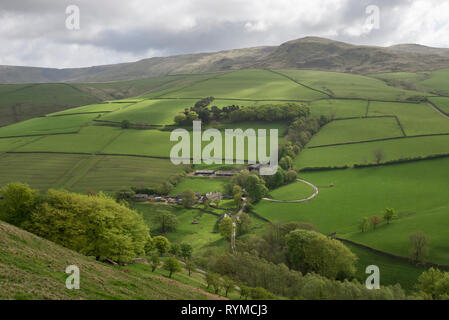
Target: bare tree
{"type": "Point", "coordinates": [419, 249]}
{"type": "Point", "coordinates": [379, 155]}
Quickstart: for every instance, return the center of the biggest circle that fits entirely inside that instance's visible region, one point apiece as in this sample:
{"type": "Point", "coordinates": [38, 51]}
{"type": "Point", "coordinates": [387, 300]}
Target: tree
{"type": "Point", "coordinates": [291, 175]}
{"type": "Point", "coordinates": [18, 203]}
{"type": "Point", "coordinates": [244, 291]}
{"type": "Point", "coordinates": [125, 124]}
{"type": "Point", "coordinates": [161, 244]}
{"type": "Point", "coordinates": [175, 249]}
{"type": "Point", "coordinates": [188, 198]}
{"type": "Point", "coordinates": [228, 285]}
{"type": "Point", "coordinates": [167, 221]}
{"type": "Point", "coordinates": [155, 262]}
{"type": "Point", "coordinates": [186, 251]}
{"type": "Point", "coordinates": [164, 188]}
{"type": "Point", "coordinates": [375, 221]}
{"type": "Point", "coordinates": [255, 188]}
{"type": "Point", "coordinates": [419, 249]}
{"type": "Point", "coordinates": [125, 194]}
{"type": "Point", "coordinates": [259, 293]}
{"type": "Point", "coordinates": [310, 251]}
{"type": "Point", "coordinates": [190, 266]}
{"type": "Point", "coordinates": [286, 162]}
{"type": "Point", "coordinates": [180, 119]}
{"type": "Point", "coordinates": [148, 245]}
{"type": "Point", "coordinates": [225, 228]}
{"type": "Point", "coordinates": [434, 283]}
{"type": "Point", "coordinates": [389, 215]}
{"type": "Point", "coordinates": [364, 224]}
{"type": "Point", "coordinates": [172, 266]}
{"type": "Point", "coordinates": [212, 279]}
{"type": "Point", "coordinates": [243, 223]}
{"type": "Point", "coordinates": [94, 226]}
{"type": "Point", "coordinates": [379, 155]}
{"type": "Point", "coordinates": [237, 193]}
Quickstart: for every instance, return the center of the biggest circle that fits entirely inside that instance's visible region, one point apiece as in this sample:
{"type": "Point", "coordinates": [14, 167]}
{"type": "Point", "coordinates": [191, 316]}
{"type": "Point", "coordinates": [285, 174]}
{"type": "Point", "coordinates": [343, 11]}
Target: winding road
{"type": "Point", "coordinates": [315, 193]}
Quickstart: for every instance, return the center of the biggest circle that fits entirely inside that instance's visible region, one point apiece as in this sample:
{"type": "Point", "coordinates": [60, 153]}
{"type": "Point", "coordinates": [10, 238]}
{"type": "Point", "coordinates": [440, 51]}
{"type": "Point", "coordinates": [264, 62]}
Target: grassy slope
{"type": "Point", "coordinates": [345, 85]}
{"type": "Point", "coordinates": [34, 268]}
{"type": "Point", "coordinates": [20, 102]}
{"type": "Point", "coordinates": [248, 84]}
{"type": "Point", "coordinates": [418, 191]}
{"type": "Point", "coordinates": [47, 125]}
{"type": "Point", "coordinates": [354, 130]}
{"type": "Point", "coordinates": [362, 153]}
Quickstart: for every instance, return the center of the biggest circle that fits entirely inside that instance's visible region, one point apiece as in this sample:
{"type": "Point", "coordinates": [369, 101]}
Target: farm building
{"type": "Point", "coordinates": [204, 172]}
{"type": "Point", "coordinates": [223, 173]}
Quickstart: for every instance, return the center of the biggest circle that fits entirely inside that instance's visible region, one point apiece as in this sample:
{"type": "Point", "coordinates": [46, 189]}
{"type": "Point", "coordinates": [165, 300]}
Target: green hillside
{"type": "Point", "coordinates": [34, 268]}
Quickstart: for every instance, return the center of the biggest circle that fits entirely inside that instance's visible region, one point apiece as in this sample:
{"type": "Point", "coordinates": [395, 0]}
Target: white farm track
{"type": "Point", "coordinates": [315, 193]}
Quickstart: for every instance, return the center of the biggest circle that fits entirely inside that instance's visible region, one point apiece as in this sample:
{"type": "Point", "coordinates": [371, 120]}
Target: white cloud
{"type": "Point", "coordinates": [112, 31]}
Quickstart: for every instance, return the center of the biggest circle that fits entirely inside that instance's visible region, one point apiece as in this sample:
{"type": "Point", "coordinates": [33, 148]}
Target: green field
{"type": "Point", "coordinates": [89, 140]}
{"type": "Point", "coordinates": [47, 125]}
{"type": "Point", "coordinates": [338, 108]}
{"type": "Point", "coordinates": [345, 85]}
{"type": "Point", "coordinates": [110, 173]}
{"type": "Point", "coordinates": [418, 191]}
{"type": "Point", "coordinates": [438, 82]}
{"type": "Point", "coordinates": [248, 84]}
{"type": "Point", "coordinates": [391, 270]}
{"type": "Point", "coordinates": [161, 112]}
{"type": "Point", "coordinates": [157, 143]}
{"type": "Point", "coordinates": [442, 103]}
{"type": "Point", "coordinates": [293, 191]}
{"type": "Point", "coordinates": [92, 108]}
{"type": "Point", "coordinates": [201, 185]}
{"type": "Point", "coordinates": [355, 130]}
{"type": "Point", "coordinates": [8, 144]}
{"type": "Point", "coordinates": [416, 119]}
{"type": "Point", "coordinates": [198, 235]}
{"type": "Point", "coordinates": [40, 171]}
{"type": "Point", "coordinates": [362, 153]}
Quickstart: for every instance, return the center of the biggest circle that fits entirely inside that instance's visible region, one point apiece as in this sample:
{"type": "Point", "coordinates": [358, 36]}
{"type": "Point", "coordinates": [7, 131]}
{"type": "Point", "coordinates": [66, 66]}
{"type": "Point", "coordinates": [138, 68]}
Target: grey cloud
{"type": "Point", "coordinates": [114, 31]}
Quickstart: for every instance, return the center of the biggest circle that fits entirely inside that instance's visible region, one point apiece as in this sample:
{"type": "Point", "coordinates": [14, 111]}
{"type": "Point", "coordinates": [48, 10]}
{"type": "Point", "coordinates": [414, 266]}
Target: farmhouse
{"type": "Point", "coordinates": [204, 172]}
{"type": "Point", "coordinates": [224, 173]}
{"type": "Point", "coordinates": [141, 197]}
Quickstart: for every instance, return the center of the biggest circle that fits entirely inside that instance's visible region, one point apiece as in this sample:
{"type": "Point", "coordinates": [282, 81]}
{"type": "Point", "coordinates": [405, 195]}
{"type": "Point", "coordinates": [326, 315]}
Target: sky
{"type": "Point", "coordinates": [51, 33]}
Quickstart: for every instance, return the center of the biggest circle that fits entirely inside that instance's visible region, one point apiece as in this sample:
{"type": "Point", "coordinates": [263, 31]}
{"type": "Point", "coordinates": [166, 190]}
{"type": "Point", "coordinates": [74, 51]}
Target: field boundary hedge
{"type": "Point", "coordinates": [74, 114]}
{"type": "Point", "coordinates": [260, 216]}
{"type": "Point", "coordinates": [377, 140]}
{"type": "Point", "coordinates": [390, 162]}
{"type": "Point", "coordinates": [40, 134]}
{"type": "Point", "coordinates": [394, 256]}
{"type": "Point", "coordinates": [438, 108]}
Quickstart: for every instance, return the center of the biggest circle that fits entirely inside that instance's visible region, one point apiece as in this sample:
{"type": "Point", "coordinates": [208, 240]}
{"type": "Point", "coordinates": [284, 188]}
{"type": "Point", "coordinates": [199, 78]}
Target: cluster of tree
{"type": "Point", "coordinates": [127, 194]}
{"type": "Point", "coordinates": [374, 221]}
{"type": "Point", "coordinates": [218, 282]}
{"type": "Point", "coordinates": [249, 270]}
{"type": "Point", "coordinates": [165, 220]}
{"type": "Point", "coordinates": [161, 246]}
{"type": "Point", "coordinates": [433, 285]}
{"type": "Point", "coordinates": [269, 112]}
{"type": "Point", "coordinates": [92, 225]}
{"type": "Point", "coordinates": [253, 185]}
{"type": "Point", "coordinates": [301, 130]}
